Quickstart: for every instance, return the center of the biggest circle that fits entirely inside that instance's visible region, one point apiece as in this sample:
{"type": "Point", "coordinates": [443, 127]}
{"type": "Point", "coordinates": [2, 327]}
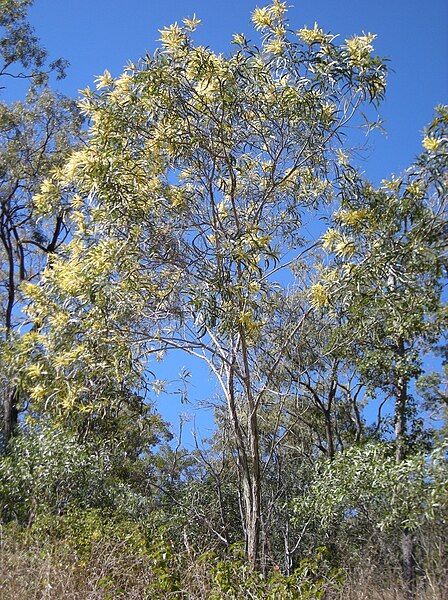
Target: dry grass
{"type": "Point", "coordinates": [36, 572]}
{"type": "Point", "coordinates": [378, 586]}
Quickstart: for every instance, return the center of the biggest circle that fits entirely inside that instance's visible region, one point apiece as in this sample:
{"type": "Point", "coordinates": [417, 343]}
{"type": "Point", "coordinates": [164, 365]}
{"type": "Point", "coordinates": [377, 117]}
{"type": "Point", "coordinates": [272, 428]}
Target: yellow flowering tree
{"type": "Point", "coordinates": [188, 203]}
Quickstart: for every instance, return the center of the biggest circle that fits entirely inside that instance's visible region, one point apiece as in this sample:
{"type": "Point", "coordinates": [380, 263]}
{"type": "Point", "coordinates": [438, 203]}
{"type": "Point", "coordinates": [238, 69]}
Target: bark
{"type": "Point", "coordinates": [10, 413]}
{"type": "Point", "coordinates": [254, 517]}
{"type": "Point", "coordinates": [10, 416]}
{"type": "Point", "coordinates": [408, 564]}
{"type": "Point", "coordinates": [249, 473]}
{"type": "Point", "coordinates": [400, 420]}
{"type": "Point", "coordinates": [407, 539]}
{"type": "Point", "coordinates": [329, 434]}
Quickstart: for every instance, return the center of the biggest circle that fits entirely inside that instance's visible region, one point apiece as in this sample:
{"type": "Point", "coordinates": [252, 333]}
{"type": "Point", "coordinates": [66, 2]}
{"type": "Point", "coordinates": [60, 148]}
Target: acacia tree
{"type": "Point", "coordinates": [189, 201]}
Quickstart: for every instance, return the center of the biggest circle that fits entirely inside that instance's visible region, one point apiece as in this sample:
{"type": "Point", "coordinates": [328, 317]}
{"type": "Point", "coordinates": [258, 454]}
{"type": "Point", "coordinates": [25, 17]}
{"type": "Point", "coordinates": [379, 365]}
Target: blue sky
{"type": "Point", "coordinates": [413, 34]}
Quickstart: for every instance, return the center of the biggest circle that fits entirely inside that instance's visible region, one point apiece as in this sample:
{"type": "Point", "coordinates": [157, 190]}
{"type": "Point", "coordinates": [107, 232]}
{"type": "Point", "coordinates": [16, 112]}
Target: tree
{"type": "Point", "coordinates": [391, 244]}
{"type": "Point", "coordinates": [36, 136]}
{"type": "Point", "coordinates": [21, 48]}
{"type": "Point", "coordinates": [188, 202]}
{"type": "Point", "coordinates": [364, 499]}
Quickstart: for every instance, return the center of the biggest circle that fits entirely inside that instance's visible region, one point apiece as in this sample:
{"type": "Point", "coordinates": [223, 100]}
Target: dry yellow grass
{"type": "Point", "coordinates": [54, 572]}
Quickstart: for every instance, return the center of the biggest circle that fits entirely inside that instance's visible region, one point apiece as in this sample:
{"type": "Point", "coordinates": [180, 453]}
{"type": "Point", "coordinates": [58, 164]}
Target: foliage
{"type": "Point", "coordinates": [48, 469]}
{"type": "Point", "coordinates": [187, 198]}
{"type": "Point", "coordinates": [21, 48]}
{"type": "Point", "coordinates": [365, 487]}
{"type": "Point", "coordinates": [312, 579]}
{"type": "Point", "coordinates": [177, 224]}
{"type": "Point", "coordinates": [391, 263]}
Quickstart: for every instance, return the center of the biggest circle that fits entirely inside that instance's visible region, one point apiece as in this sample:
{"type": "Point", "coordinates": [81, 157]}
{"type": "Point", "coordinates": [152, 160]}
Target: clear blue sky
{"type": "Point", "coordinates": [413, 34]}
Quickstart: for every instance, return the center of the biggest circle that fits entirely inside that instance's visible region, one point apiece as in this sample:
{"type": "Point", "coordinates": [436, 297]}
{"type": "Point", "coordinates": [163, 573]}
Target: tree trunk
{"type": "Point", "coordinates": [254, 519]}
{"type": "Point", "coordinates": [10, 417]}
{"type": "Point", "coordinates": [329, 434]}
{"type": "Point", "coordinates": [248, 463]}
{"type": "Point", "coordinates": [254, 525]}
{"type": "Point", "coordinates": [407, 539]}
{"type": "Point", "coordinates": [408, 564]}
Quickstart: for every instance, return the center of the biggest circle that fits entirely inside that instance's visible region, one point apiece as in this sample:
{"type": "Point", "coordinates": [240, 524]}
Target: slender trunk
{"type": "Point", "coordinates": [254, 518]}
{"type": "Point", "coordinates": [10, 416]}
{"type": "Point", "coordinates": [329, 432]}
{"type": "Point", "coordinates": [400, 419]}
{"type": "Point", "coordinates": [254, 527]}
{"type": "Point", "coordinates": [408, 564]}
{"type": "Point", "coordinates": [358, 421]}
{"type": "Point", "coordinates": [329, 435]}
{"type": "Point", "coordinates": [10, 413]}
{"type": "Point", "coordinates": [249, 479]}
{"type": "Point", "coordinates": [407, 539]}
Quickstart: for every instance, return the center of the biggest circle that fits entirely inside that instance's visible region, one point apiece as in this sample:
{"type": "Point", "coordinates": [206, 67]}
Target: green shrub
{"type": "Point", "coordinates": [48, 469]}
{"type": "Point", "coordinates": [313, 577]}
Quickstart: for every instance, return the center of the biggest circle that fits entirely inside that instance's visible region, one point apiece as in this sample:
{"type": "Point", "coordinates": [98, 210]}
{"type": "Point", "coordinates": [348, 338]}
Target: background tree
{"type": "Point", "coordinates": [392, 247]}
{"type": "Point", "coordinates": [36, 137]}
{"type": "Point", "coordinates": [21, 53]}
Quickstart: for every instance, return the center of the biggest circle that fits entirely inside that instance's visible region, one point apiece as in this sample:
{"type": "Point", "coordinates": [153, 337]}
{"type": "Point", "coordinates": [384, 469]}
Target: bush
{"type": "Point", "coordinates": [48, 469]}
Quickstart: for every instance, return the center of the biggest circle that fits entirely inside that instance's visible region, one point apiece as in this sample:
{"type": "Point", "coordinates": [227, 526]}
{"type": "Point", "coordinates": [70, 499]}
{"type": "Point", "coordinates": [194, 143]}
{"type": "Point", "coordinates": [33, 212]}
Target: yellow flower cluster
{"type": "Point", "coordinates": [192, 24]}
{"type": "Point", "coordinates": [329, 238]}
{"type": "Point", "coordinates": [172, 37]}
{"type": "Point", "coordinates": [415, 188]}
{"type": "Point", "coordinates": [123, 85]}
{"type": "Point", "coordinates": [70, 278]}
{"type": "Point", "coordinates": [65, 359]}
{"type": "Point", "coordinates": [104, 80]}
{"type": "Point", "coordinates": [352, 218]}
{"type": "Point", "coordinates": [270, 16]}
{"type": "Point", "coordinates": [275, 46]}
{"type": "Point", "coordinates": [38, 392]}
{"type": "Point", "coordinates": [262, 18]}
{"type": "Point", "coordinates": [207, 88]}
{"type": "Point", "coordinates": [76, 161]}
{"type": "Point", "coordinates": [328, 112]}
{"type": "Point", "coordinates": [318, 296]}
{"type": "Point", "coordinates": [430, 143]}
{"type": "Point", "coordinates": [335, 241]}
{"type": "Point", "coordinates": [392, 184]}
{"type": "Point", "coordinates": [312, 36]}
{"type": "Point", "coordinates": [239, 39]}
{"type": "Point", "coordinates": [48, 196]}
{"type": "Point", "coordinates": [343, 158]}
{"type": "Point", "coordinates": [207, 69]}
{"type": "Point", "coordinates": [34, 371]}
{"type": "Point", "coordinates": [278, 9]}
{"type": "Point", "coordinates": [177, 197]}
{"type": "Point", "coordinates": [60, 319]}
{"type": "Point", "coordinates": [359, 49]}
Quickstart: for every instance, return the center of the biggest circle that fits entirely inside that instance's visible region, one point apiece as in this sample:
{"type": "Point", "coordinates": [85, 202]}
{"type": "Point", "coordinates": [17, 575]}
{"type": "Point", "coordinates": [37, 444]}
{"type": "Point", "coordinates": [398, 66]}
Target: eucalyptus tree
{"type": "Point", "coordinates": [188, 202]}
{"type": "Point", "coordinates": [21, 53]}
{"type": "Point", "coordinates": [36, 135]}
{"type": "Point", "coordinates": [317, 377]}
{"type": "Point", "coordinates": [390, 246]}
